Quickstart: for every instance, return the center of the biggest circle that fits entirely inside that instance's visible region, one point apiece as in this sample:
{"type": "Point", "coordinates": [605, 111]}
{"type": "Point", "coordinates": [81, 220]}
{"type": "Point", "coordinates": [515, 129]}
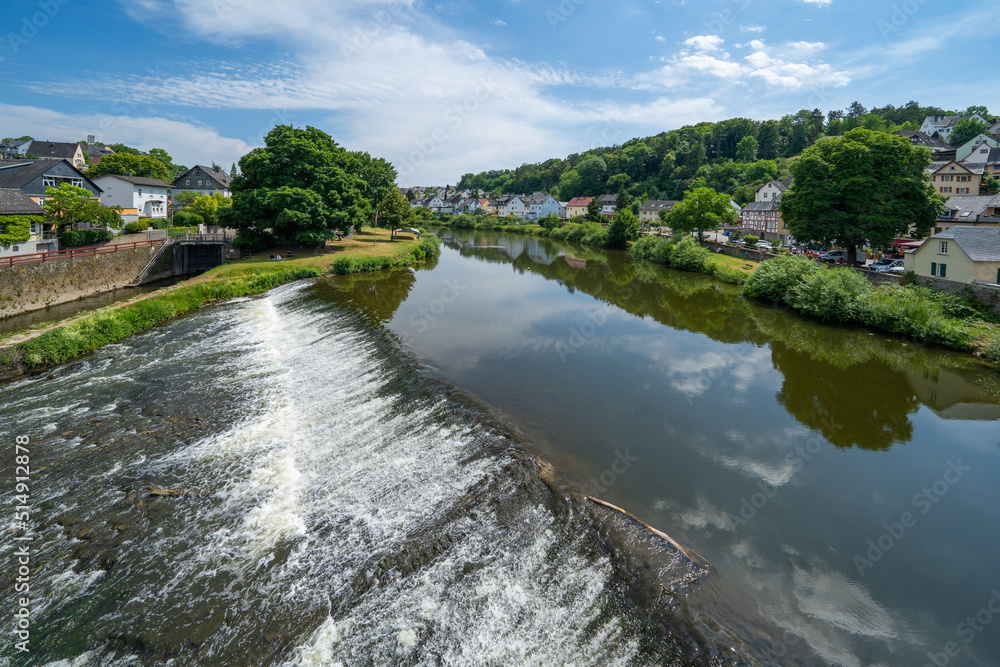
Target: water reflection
{"type": "Point", "coordinates": [765, 441]}
{"type": "Point", "coordinates": [821, 365]}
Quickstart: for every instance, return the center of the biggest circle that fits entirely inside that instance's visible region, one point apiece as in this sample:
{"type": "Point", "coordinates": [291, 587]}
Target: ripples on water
{"type": "Point", "coordinates": [342, 511]}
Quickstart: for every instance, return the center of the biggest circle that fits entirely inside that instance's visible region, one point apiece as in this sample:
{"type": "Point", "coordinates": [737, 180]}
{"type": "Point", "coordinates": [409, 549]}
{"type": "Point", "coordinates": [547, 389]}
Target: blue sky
{"type": "Point", "coordinates": [445, 88]}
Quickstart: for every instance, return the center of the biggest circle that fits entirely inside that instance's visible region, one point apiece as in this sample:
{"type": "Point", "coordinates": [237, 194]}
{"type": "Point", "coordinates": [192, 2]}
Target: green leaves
{"type": "Point", "coordinates": [69, 205]}
{"type": "Point", "coordinates": [702, 208]}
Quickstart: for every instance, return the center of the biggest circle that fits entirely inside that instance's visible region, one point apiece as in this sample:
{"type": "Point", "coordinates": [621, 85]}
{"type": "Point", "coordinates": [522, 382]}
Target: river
{"type": "Point", "coordinates": [357, 462]}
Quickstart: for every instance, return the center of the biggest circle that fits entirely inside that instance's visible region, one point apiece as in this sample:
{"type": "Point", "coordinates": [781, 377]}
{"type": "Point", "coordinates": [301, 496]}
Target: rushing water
{"type": "Point", "coordinates": [354, 494]}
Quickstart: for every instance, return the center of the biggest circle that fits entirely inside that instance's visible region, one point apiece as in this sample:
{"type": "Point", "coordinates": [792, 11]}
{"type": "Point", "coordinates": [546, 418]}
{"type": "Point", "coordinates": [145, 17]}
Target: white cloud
{"type": "Point", "coordinates": [705, 42]}
{"type": "Point", "coordinates": [819, 3]}
{"type": "Point", "coordinates": [187, 143]}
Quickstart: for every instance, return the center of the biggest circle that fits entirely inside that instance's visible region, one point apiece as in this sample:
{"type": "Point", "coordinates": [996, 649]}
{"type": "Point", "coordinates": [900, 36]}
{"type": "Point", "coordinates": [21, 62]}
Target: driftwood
{"type": "Point", "coordinates": [171, 492]}
{"type": "Point", "coordinates": [690, 553]}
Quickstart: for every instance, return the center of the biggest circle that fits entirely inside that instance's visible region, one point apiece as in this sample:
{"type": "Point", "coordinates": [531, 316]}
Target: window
{"type": "Point", "coordinates": [36, 228]}
{"type": "Point", "coordinates": [48, 181]}
{"type": "Point", "coordinates": [199, 182]}
{"type": "Point", "coordinates": [945, 189]}
{"type": "Point", "coordinates": [78, 182]}
{"type": "Point", "coordinates": [962, 191]}
{"type": "Point", "coordinates": [140, 192]}
{"type": "Point", "coordinates": [963, 179]}
{"type": "Point", "coordinates": [187, 181]}
{"type": "Point", "coordinates": [933, 268]}
{"type": "Point", "coordinates": [944, 270]}
{"type": "Point", "coordinates": [944, 247]}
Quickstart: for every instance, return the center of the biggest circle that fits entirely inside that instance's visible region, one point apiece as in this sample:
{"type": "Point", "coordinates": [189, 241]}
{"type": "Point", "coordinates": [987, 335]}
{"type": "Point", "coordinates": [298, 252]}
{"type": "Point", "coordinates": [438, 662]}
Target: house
{"type": "Point", "coordinates": [510, 206]}
{"type": "Point", "coordinates": [562, 209]}
{"type": "Point", "coordinates": [204, 180]}
{"type": "Point", "coordinates": [762, 217]}
{"type": "Point", "coordinates": [540, 205]}
{"type": "Point", "coordinates": [964, 254]}
{"type": "Point", "coordinates": [149, 196]}
{"type": "Point", "coordinates": [969, 210]}
{"type": "Point", "coordinates": [975, 149]}
{"type": "Point", "coordinates": [50, 149]}
{"type": "Point", "coordinates": [577, 206]}
{"type": "Point", "coordinates": [943, 125]}
{"type": "Point", "coordinates": [650, 210]}
{"type": "Point", "coordinates": [28, 240]}
{"type": "Point", "coordinates": [432, 202]}
{"type": "Point", "coordinates": [487, 206]}
{"type": "Point", "coordinates": [33, 177]}
{"type": "Point", "coordinates": [993, 163]}
{"type": "Point", "coordinates": [940, 151]}
{"type": "Point", "coordinates": [994, 129]}
{"type": "Point", "coordinates": [96, 153]}
{"type": "Point", "coordinates": [609, 205]}
{"type": "Point", "coordinates": [952, 178]}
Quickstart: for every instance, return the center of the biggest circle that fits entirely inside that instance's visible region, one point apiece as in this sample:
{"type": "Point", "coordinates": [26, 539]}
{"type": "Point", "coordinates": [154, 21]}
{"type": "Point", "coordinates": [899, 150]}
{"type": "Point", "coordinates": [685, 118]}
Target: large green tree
{"type": "Point", "coordinates": [701, 209]}
{"type": "Point", "coordinates": [69, 205]}
{"type": "Point", "coordinates": [208, 207]}
{"type": "Point", "coordinates": [300, 187]}
{"type": "Point", "coordinates": [122, 164]}
{"type": "Point", "coordinates": [624, 228]}
{"type": "Point", "coordinates": [863, 187]}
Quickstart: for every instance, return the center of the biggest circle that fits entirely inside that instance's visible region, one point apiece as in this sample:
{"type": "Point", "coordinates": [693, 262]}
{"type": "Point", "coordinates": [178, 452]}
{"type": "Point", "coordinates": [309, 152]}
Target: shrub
{"type": "Point", "coordinates": [908, 278]}
{"type": "Point", "coordinates": [661, 254]}
{"type": "Point", "coordinates": [598, 238]}
{"type": "Point", "coordinates": [74, 238]}
{"type": "Point", "coordinates": [644, 247]}
{"type": "Point", "coordinates": [728, 274]}
{"type": "Point", "coordinates": [137, 227]}
{"type": "Point", "coordinates": [689, 256]}
{"type": "Point", "coordinates": [991, 348]}
{"type": "Point", "coordinates": [751, 240]}
{"type": "Point", "coordinates": [830, 295]}
{"type": "Point", "coordinates": [776, 277]}
{"type": "Point", "coordinates": [159, 223]}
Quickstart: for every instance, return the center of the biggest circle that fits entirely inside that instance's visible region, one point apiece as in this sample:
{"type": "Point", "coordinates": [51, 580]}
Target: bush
{"type": "Point", "coordinates": [751, 240]}
{"type": "Point", "coordinates": [991, 348]}
{"type": "Point", "coordinates": [661, 254]}
{"type": "Point", "coordinates": [74, 238]}
{"type": "Point", "coordinates": [908, 278]}
{"type": "Point", "coordinates": [830, 295]}
{"type": "Point", "coordinates": [728, 274]}
{"type": "Point", "coordinates": [776, 277]}
{"type": "Point", "coordinates": [689, 256]}
{"type": "Point", "coordinates": [598, 238]}
{"type": "Point", "coordinates": [137, 227]}
{"type": "Point", "coordinates": [159, 223]}
{"type": "Point", "coordinates": [644, 247]}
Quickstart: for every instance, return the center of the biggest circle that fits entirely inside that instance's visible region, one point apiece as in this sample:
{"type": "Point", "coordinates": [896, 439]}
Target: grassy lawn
{"type": "Point", "coordinates": [738, 263]}
{"type": "Point", "coordinates": [359, 245]}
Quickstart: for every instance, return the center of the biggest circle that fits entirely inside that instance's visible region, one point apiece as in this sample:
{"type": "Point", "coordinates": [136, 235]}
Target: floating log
{"type": "Point", "coordinates": [693, 555]}
{"type": "Point", "coordinates": [171, 492]}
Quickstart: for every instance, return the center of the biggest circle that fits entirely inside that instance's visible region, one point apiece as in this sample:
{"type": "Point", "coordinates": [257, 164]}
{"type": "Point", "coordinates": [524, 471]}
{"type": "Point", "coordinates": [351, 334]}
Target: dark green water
{"type": "Point", "coordinates": [358, 498]}
{"type": "Point", "coordinates": [788, 453]}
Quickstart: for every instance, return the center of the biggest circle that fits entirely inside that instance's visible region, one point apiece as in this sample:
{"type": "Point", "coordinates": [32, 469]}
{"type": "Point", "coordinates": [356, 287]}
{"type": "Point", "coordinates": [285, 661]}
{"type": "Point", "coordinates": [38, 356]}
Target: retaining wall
{"type": "Point", "coordinates": [30, 287]}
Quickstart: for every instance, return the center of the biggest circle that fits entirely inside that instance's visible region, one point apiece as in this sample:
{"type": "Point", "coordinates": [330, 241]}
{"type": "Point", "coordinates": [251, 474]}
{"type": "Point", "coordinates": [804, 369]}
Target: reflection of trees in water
{"type": "Point", "coordinates": [865, 406]}
{"type": "Point", "coordinates": [378, 295]}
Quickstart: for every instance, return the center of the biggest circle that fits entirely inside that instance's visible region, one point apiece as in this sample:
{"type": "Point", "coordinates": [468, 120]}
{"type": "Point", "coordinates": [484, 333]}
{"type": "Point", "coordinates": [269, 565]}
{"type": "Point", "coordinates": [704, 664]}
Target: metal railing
{"type": "Point", "coordinates": [73, 253]}
{"type": "Point", "coordinates": [222, 238]}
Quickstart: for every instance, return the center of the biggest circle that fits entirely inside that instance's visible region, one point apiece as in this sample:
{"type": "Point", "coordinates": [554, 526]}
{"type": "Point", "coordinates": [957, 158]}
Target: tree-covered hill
{"type": "Point", "coordinates": [733, 156]}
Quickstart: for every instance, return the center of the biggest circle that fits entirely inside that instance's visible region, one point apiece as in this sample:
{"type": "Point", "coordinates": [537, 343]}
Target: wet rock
{"type": "Point", "coordinates": [67, 520]}
{"type": "Point", "coordinates": [155, 492]}
{"type": "Point", "coordinates": [207, 628]}
{"type": "Point", "coordinates": [84, 533]}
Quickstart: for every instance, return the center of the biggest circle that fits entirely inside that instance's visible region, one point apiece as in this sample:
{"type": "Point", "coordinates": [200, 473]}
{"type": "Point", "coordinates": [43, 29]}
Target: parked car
{"type": "Point", "coordinates": [764, 245]}
{"type": "Point", "coordinates": [894, 266]}
{"type": "Point", "coordinates": [881, 263]}
{"type": "Point", "coordinates": [837, 256]}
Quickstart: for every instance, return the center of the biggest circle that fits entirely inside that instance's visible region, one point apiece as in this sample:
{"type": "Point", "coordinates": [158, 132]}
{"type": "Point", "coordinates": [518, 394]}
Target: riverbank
{"type": "Point", "coordinates": [34, 350]}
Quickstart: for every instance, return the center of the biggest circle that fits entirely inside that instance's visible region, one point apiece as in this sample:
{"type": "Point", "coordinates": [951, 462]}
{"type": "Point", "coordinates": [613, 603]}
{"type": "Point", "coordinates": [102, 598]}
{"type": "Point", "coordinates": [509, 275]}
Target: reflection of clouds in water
{"type": "Point", "coordinates": [772, 474]}
{"type": "Point", "coordinates": [826, 609]}
{"type": "Point", "coordinates": [770, 457]}
{"type": "Point", "coordinates": [703, 516]}
{"type": "Point", "coordinates": [833, 598]}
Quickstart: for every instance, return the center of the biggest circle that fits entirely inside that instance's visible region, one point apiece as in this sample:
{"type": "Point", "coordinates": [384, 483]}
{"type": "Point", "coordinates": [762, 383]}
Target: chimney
{"type": "Point", "coordinates": [91, 139]}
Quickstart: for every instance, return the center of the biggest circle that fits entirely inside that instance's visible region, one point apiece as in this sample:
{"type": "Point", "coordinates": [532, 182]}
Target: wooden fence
{"type": "Point", "coordinates": [73, 253]}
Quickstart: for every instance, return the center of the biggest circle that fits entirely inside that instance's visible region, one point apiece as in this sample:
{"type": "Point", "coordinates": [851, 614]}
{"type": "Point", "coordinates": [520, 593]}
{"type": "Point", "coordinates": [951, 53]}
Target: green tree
{"type": "Point", "coordinates": [300, 187]}
{"type": "Point", "coordinates": [123, 164]}
{"type": "Point", "coordinates": [394, 211]}
{"type": "Point", "coordinates": [184, 199]}
{"type": "Point", "coordinates": [593, 172]}
{"type": "Point", "coordinates": [122, 148]}
{"type": "Point", "coordinates": [551, 221]}
{"type": "Point", "coordinates": [232, 171]}
{"type": "Point", "coordinates": [701, 209]}
{"type": "Point", "coordinates": [70, 205]}
{"type": "Point", "coordinates": [209, 206]}
{"type": "Point", "coordinates": [966, 130]}
{"type": "Point", "coordinates": [769, 141]}
{"type": "Point", "coordinates": [746, 151]}
{"type": "Point", "coordinates": [378, 178]}
{"type": "Point", "coordinates": [990, 185]}
{"type": "Point", "coordinates": [594, 210]}
{"type": "Point", "coordinates": [623, 200]}
{"type": "Point", "coordinates": [624, 228]}
{"type": "Point", "coordinates": [410, 195]}
{"type": "Point", "coordinates": [862, 187]}
{"type": "Point", "coordinates": [168, 162]}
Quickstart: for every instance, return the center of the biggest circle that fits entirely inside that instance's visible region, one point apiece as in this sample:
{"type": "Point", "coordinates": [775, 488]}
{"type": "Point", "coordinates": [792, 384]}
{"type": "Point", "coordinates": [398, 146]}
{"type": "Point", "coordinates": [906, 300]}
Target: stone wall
{"type": "Point", "coordinates": [739, 251]}
{"type": "Point", "coordinates": [30, 287]}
